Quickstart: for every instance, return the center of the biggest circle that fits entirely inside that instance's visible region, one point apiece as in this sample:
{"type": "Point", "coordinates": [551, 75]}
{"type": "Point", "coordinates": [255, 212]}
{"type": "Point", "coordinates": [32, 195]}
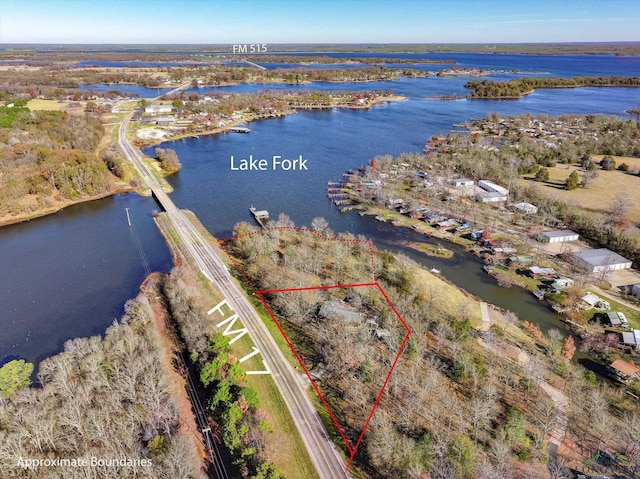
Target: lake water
{"type": "Point", "coordinates": [69, 274]}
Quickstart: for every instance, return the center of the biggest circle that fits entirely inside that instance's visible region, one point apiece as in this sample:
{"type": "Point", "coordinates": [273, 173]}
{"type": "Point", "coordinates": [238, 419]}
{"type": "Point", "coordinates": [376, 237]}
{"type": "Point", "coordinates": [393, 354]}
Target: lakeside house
{"type": "Point", "coordinates": [517, 260]}
{"type": "Point", "coordinates": [617, 319]}
{"type": "Point", "coordinates": [536, 272]}
{"type": "Point", "coordinates": [447, 224]}
{"type": "Point", "coordinates": [558, 236]}
{"type": "Point", "coordinates": [624, 370]}
{"type": "Point", "coordinates": [594, 301]}
{"type": "Point", "coordinates": [561, 283]}
{"type": "Point", "coordinates": [631, 339]}
{"type": "Point", "coordinates": [599, 260]}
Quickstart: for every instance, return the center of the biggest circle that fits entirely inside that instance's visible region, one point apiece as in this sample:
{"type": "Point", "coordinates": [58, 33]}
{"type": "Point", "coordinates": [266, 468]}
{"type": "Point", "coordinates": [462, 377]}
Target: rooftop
{"type": "Point", "coordinates": [624, 367]}
{"type": "Point", "coordinates": [559, 233]}
{"type": "Point", "coordinates": [601, 257]}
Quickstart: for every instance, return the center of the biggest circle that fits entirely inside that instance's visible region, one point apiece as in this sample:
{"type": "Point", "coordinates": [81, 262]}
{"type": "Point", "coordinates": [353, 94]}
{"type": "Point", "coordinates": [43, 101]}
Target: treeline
{"type": "Point", "coordinates": [75, 77]}
{"type": "Point", "coordinates": [413, 432]}
{"type": "Point", "coordinates": [271, 101]}
{"type": "Point", "coordinates": [224, 74]}
{"type": "Point", "coordinates": [104, 398]}
{"type": "Point", "coordinates": [522, 86]}
{"type": "Point", "coordinates": [327, 60]}
{"type": "Point", "coordinates": [46, 156]}
{"type": "Point", "coordinates": [234, 405]}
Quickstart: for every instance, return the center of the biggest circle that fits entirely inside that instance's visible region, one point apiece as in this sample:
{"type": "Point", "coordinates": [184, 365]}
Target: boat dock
{"type": "Point", "coordinates": [239, 129]}
{"type": "Point", "coordinates": [261, 216]}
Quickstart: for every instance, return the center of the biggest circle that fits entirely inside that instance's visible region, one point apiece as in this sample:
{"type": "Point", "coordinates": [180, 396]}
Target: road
{"type": "Point", "coordinates": [322, 451]}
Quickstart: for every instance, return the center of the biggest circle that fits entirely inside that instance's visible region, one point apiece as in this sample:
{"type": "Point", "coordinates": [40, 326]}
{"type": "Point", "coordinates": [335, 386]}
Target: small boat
{"type": "Point", "coordinates": [380, 218]}
{"type": "Point", "coordinates": [539, 294]}
{"type": "Point", "coordinates": [434, 270]}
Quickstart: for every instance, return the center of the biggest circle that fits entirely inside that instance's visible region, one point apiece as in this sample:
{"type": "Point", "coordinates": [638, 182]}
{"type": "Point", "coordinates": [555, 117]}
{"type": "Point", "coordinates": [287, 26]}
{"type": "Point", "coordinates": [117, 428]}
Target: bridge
{"type": "Point", "coordinates": [322, 451]}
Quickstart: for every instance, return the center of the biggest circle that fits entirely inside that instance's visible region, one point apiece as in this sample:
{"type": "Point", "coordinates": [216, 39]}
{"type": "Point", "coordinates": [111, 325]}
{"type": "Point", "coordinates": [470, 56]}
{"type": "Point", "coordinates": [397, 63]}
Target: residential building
{"type": "Point", "coordinates": [462, 182]}
{"type": "Point", "coordinates": [624, 370]}
{"type": "Point", "coordinates": [593, 301]}
{"type": "Point", "coordinates": [617, 319]}
{"type": "Point", "coordinates": [526, 208]}
{"type": "Point", "coordinates": [537, 272]}
{"type": "Point", "coordinates": [631, 339]}
{"type": "Point", "coordinates": [562, 283]}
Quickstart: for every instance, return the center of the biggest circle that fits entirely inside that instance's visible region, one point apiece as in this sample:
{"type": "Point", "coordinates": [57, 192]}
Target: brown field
{"type": "Point", "coordinates": [600, 193]}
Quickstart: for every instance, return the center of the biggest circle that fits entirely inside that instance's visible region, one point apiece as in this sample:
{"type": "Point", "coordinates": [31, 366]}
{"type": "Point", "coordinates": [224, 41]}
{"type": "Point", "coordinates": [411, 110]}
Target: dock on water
{"type": "Point", "coordinates": [239, 129]}
{"type": "Point", "coordinates": [261, 216]}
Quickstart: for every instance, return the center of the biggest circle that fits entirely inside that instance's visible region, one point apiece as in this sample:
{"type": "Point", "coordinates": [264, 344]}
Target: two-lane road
{"type": "Point", "coordinates": [322, 451]}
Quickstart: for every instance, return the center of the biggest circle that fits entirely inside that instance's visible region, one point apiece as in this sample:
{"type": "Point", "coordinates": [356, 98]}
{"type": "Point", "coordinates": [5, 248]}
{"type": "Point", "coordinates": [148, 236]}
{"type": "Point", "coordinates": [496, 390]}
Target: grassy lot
{"type": "Point", "coordinates": [600, 194]}
{"type": "Point", "coordinates": [632, 315]}
{"type": "Point", "coordinates": [450, 296]}
{"type": "Point", "coordinates": [35, 105]}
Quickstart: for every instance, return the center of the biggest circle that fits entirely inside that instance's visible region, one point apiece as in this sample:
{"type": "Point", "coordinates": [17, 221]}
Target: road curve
{"type": "Point", "coordinates": [322, 451]}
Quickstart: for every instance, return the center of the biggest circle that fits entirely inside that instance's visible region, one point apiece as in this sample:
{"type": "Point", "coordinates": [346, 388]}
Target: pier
{"type": "Point", "coordinates": [261, 216]}
{"type": "Point", "coordinates": [239, 129]}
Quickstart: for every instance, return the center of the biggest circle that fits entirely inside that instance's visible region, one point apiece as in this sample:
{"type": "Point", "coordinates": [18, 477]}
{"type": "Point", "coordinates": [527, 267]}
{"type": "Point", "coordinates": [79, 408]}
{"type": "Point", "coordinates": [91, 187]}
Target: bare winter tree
{"type": "Point", "coordinates": [319, 224]}
{"type": "Point", "coordinates": [558, 469]}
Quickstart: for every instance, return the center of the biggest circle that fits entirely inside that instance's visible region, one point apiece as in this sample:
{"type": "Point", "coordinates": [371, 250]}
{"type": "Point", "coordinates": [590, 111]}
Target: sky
{"type": "Point", "coordinates": [318, 21]}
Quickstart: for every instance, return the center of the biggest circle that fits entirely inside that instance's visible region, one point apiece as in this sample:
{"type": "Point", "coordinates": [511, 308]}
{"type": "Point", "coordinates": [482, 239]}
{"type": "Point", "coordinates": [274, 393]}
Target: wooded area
{"type": "Point", "coordinates": [242, 425]}
{"type": "Point", "coordinates": [105, 398]}
{"type": "Point", "coordinates": [521, 86]}
{"type": "Point", "coordinates": [502, 417]}
{"type": "Point", "coordinates": [50, 156]}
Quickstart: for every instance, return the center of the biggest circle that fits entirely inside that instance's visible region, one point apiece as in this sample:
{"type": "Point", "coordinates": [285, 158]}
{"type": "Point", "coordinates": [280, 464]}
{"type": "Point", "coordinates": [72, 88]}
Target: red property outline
{"type": "Point", "coordinates": [260, 294]}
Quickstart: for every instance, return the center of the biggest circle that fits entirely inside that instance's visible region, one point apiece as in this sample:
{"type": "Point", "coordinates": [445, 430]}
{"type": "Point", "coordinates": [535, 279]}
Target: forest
{"type": "Point", "coordinates": [519, 87]}
{"type": "Point", "coordinates": [502, 418]}
{"type": "Point", "coordinates": [241, 424]}
{"type": "Point", "coordinates": [50, 156]}
{"type": "Point", "coordinates": [105, 398]}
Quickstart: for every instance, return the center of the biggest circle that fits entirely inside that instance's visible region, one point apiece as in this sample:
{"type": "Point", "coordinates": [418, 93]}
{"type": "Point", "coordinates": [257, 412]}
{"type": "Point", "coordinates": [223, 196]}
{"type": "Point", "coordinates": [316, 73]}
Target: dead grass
{"type": "Point", "coordinates": [451, 297]}
{"type": "Point", "coordinates": [55, 105]}
{"type": "Point", "coordinates": [600, 193]}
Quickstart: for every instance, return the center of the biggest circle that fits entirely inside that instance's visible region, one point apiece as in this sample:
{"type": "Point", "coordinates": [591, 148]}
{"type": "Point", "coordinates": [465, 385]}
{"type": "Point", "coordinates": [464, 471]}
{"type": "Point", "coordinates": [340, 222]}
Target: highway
{"type": "Point", "coordinates": [322, 451]}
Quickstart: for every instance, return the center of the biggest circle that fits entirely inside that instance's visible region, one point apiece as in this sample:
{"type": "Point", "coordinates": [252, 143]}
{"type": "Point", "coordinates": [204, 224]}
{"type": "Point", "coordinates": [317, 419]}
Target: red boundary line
{"type": "Point", "coordinates": [259, 293]}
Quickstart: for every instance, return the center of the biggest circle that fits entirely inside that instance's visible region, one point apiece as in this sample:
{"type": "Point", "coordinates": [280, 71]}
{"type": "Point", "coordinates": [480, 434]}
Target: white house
{"type": "Point", "coordinates": [490, 197]}
{"type": "Point", "coordinates": [526, 208]}
{"type": "Point", "coordinates": [558, 236]}
{"type": "Point", "coordinates": [602, 259]}
{"type": "Point", "coordinates": [156, 109]}
{"type": "Point", "coordinates": [492, 187]}
{"type": "Point", "coordinates": [594, 301]}
{"type": "Point", "coordinates": [462, 182]}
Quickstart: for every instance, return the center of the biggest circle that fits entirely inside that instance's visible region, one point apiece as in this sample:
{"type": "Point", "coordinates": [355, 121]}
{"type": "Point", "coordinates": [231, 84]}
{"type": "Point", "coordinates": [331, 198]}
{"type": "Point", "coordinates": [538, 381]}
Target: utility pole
{"type": "Point", "coordinates": [128, 217]}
